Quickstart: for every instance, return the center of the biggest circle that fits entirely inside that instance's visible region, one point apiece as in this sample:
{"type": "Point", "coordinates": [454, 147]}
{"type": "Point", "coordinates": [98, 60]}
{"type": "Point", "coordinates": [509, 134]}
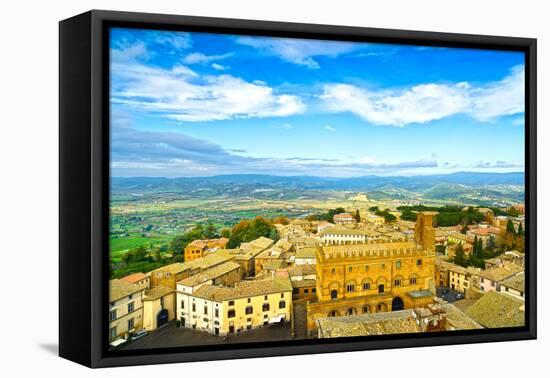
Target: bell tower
{"type": "Point", "coordinates": [424, 232]}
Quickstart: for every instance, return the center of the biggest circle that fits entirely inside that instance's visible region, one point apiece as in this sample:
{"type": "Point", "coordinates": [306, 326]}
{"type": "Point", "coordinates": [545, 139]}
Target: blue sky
{"type": "Point", "coordinates": [196, 104]}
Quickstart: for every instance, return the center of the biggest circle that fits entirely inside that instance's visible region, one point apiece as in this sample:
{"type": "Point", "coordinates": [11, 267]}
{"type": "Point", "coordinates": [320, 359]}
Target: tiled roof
{"type": "Point", "coordinates": [499, 273]}
{"type": "Point", "coordinates": [516, 282]}
{"type": "Point", "coordinates": [119, 289]}
{"type": "Point", "coordinates": [210, 274]}
{"type": "Point", "coordinates": [243, 289]}
{"type": "Point", "coordinates": [306, 253]}
{"type": "Point", "coordinates": [157, 292]}
{"type": "Point", "coordinates": [494, 310]}
{"type": "Point", "coordinates": [135, 277]}
{"type": "Point", "coordinates": [369, 324]}
{"type": "Point", "coordinates": [340, 230]}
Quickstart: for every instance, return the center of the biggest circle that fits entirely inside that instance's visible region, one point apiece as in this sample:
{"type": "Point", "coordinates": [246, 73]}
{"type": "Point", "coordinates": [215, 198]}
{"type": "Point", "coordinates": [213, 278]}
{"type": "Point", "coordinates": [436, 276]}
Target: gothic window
{"type": "Point", "coordinates": [334, 294]}
{"type": "Point", "coordinates": [350, 287]}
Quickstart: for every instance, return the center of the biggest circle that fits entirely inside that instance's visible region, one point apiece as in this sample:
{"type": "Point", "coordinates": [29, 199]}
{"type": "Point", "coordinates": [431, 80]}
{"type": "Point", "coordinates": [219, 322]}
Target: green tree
{"type": "Point", "coordinates": [248, 230]}
{"type": "Point", "coordinates": [210, 232]}
{"type": "Point", "coordinates": [374, 209]}
{"type": "Point", "coordinates": [273, 235]}
{"type": "Point", "coordinates": [357, 216]}
{"type": "Point", "coordinates": [460, 257]}
{"type": "Point", "coordinates": [520, 231]}
{"type": "Point", "coordinates": [225, 232]}
{"type": "Point", "coordinates": [510, 227]}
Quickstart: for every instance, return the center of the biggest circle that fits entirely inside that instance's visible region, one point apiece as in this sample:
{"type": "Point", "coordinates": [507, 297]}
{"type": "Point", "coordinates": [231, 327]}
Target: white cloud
{"type": "Point", "coordinates": [299, 51]}
{"type": "Point", "coordinates": [329, 128]}
{"type": "Point", "coordinates": [199, 58]}
{"type": "Point", "coordinates": [429, 102]}
{"type": "Point", "coordinates": [504, 97]}
{"type": "Point", "coordinates": [218, 67]}
{"type": "Point", "coordinates": [181, 94]}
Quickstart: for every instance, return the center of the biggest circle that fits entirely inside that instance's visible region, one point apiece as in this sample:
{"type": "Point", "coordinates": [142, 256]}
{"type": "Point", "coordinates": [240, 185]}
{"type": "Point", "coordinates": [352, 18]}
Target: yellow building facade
{"type": "Point", "coordinates": [125, 309]}
{"type": "Point", "coordinates": [225, 310]}
{"type": "Point", "coordinates": [376, 276]}
{"type": "Point", "coordinates": [159, 307]}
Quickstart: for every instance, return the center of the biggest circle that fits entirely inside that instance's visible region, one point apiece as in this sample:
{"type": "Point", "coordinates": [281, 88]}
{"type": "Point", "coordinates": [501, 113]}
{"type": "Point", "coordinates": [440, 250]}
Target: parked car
{"type": "Point", "coordinates": [445, 291]}
{"type": "Point", "coordinates": [459, 296]}
{"type": "Point", "coordinates": [139, 335]}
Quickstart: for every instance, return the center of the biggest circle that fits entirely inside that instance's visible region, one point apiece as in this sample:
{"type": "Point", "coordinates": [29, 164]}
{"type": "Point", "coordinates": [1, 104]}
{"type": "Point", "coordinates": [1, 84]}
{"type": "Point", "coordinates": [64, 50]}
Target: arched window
{"type": "Point", "coordinates": [412, 281]}
{"type": "Point", "coordinates": [366, 285]}
{"type": "Point", "coordinates": [366, 309]}
{"type": "Point", "coordinates": [333, 314]}
{"type": "Point", "coordinates": [333, 294]}
{"type": "Point", "coordinates": [398, 264]}
{"type": "Point", "coordinates": [333, 271]}
{"type": "Point", "coordinates": [381, 288]}
{"type": "Point", "coordinates": [350, 287]}
{"type": "Point", "coordinates": [351, 311]}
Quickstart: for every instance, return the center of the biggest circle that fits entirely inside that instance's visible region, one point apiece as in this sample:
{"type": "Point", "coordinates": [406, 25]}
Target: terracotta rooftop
{"type": "Point", "coordinates": [134, 277]}
{"type": "Point", "coordinates": [157, 292]}
{"type": "Point", "coordinates": [495, 310]}
{"type": "Point", "coordinates": [243, 289]}
{"type": "Point", "coordinates": [119, 289]}
{"type": "Point", "coordinates": [499, 273]}
{"type": "Point", "coordinates": [383, 323]}
{"type": "Point", "coordinates": [516, 282]}
{"type": "Point", "coordinates": [210, 274]}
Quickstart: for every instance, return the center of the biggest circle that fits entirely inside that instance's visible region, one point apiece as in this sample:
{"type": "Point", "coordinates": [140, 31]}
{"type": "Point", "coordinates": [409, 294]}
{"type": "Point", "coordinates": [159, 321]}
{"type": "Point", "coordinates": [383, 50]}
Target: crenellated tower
{"type": "Point", "coordinates": [424, 232]}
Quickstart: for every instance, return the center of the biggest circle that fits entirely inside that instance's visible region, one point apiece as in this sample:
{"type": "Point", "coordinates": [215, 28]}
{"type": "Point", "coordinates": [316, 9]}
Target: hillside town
{"type": "Point", "coordinates": [360, 274]}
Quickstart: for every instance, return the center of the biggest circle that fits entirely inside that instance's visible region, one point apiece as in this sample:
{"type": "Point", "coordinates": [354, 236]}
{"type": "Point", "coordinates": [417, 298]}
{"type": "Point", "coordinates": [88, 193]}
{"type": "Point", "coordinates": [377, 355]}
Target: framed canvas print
{"type": "Point", "coordinates": [234, 188]}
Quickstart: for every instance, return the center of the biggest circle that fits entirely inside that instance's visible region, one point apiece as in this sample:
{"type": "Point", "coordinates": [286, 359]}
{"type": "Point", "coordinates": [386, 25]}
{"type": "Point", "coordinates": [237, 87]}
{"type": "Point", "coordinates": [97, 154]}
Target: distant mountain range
{"type": "Point", "coordinates": [460, 186]}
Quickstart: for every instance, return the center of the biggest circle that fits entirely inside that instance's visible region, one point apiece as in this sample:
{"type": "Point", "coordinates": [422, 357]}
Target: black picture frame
{"type": "Point", "coordinates": [84, 187]}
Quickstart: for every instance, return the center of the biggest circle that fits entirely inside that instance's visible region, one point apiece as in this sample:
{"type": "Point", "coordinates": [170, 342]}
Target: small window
{"type": "Point", "coordinates": [413, 281]}
{"type": "Point", "coordinates": [334, 294]}
{"type": "Point", "coordinates": [113, 333]}
{"type": "Point", "coordinates": [306, 291]}
{"type": "Point", "coordinates": [265, 307]}
{"type": "Point", "coordinates": [130, 323]}
{"type": "Point", "coordinates": [366, 268]}
{"type": "Point", "coordinates": [248, 300]}
{"type": "Point", "coordinates": [112, 315]}
{"type": "Point", "coordinates": [366, 285]}
{"type": "Point", "coordinates": [217, 313]}
{"type": "Point", "coordinates": [265, 297]}
{"type": "Point", "coordinates": [248, 310]}
{"type": "Point", "coordinates": [182, 304]}
{"type": "Point", "coordinates": [193, 308]}
{"type": "Point", "coordinates": [333, 271]}
{"type": "Point", "coordinates": [131, 307]}
{"type": "Point", "coordinates": [282, 304]}
{"type": "Point", "coordinates": [231, 313]}
{"type": "Point", "coordinates": [350, 269]}
{"type": "Point", "coordinates": [314, 290]}
{"type": "Point", "coordinates": [282, 295]}
{"type": "Point", "coordinates": [231, 303]}
{"type": "Point", "coordinates": [418, 262]}
{"type": "Point", "coordinates": [383, 266]}
{"type": "Point", "coordinates": [205, 310]}
{"type": "Point", "coordinates": [398, 264]}
{"type": "Point", "coordinates": [397, 283]}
